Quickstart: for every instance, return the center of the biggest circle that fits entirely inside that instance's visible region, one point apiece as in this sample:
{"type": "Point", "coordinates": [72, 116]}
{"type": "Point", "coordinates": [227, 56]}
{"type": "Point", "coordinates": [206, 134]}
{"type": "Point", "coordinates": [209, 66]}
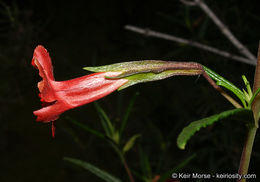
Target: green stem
{"type": "Point", "coordinates": [246, 154]}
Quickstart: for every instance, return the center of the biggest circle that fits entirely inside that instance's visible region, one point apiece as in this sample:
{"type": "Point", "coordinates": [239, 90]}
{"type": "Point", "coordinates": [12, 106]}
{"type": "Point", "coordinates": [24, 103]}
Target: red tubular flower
{"type": "Point", "coordinates": [60, 96]}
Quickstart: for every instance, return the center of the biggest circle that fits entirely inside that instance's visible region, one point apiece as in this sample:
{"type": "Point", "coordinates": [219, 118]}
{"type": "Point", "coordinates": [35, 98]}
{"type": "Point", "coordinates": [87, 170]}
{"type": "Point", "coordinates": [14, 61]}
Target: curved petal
{"type": "Point", "coordinates": [51, 112]}
{"type": "Point", "coordinates": [42, 61]}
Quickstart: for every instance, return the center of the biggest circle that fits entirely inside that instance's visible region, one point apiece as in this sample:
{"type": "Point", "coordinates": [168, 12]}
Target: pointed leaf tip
{"type": "Point", "coordinates": [195, 126]}
{"type": "Point", "coordinates": [93, 169]}
{"type": "Point", "coordinates": [130, 143]}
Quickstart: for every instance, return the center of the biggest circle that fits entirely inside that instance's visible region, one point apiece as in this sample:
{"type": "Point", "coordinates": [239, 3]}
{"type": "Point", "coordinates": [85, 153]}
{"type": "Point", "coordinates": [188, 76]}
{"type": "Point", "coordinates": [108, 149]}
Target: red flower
{"type": "Point", "coordinates": [60, 96]}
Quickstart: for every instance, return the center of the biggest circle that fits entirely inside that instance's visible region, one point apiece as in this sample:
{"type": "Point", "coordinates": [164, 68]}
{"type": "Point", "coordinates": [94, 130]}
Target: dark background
{"type": "Point", "coordinates": [90, 33]}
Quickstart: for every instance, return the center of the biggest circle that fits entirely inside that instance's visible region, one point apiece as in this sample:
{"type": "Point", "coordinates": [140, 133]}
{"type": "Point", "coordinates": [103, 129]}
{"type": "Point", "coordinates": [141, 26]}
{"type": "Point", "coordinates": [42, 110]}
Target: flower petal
{"type": "Point", "coordinates": [60, 96]}
{"type": "Point", "coordinates": [51, 112]}
{"type": "Point", "coordinates": [42, 61]}
{"type": "Point", "coordinates": [86, 89]}
{"type": "Point", "coordinates": [76, 92]}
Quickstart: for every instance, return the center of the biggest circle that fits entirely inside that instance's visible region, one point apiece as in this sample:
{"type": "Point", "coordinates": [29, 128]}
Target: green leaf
{"type": "Point", "coordinates": [145, 164]}
{"type": "Point", "coordinates": [130, 143]}
{"type": "Point", "coordinates": [106, 123]}
{"type": "Point", "coordinates": [116, 137]}
{"type": "Point", "coordinates": [195, 126]}
{"type": "Point", "coordinates": [127, 113]}
{"type": "Point", "coordinates": [98, 172]}
{"type": "Point", "coordinates": [86, 128]}
{"type": "Point", "coordinates": [253, 97]}
{"type": "Point", "coordinates": [225, 83]}
{"type": "Point", "coordinates": [248, 87]}
{"type": "Point", "coordinates": [247, 97]}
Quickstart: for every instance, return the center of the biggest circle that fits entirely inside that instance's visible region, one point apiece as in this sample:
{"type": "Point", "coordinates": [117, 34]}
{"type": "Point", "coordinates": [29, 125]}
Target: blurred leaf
{"type": "Point", "coordinates": [98, 172]}
{"type": "Point", "coordinates": [106, 123]}
{"type": "Point", "coordinates": [142, 178]}
{"type": "Point", "coordinates": [116, 137]}
{"type": "Point", "coordinates": [86, 128]}
{"type": "Point", "coordinates": [203, 28]}
{"type": "Point", "coordinates": [127, 113]}
{"type": "Point", "coordinates": [74, 136]}
{"type": "Point", "coordinates": [130, 143]}
{"type": "Point", "coordinates": [195, 126]}
{"type": "Point", "coordinates": [145, 164]}
{"type": "Point", "coordinates": [187, 17]}
{"type": "Point", "coordinates": [179, 167]}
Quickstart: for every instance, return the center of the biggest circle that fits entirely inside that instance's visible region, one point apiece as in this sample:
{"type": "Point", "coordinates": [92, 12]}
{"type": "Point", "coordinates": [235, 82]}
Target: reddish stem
{"type": "Point", "coordinates": [131, 178]}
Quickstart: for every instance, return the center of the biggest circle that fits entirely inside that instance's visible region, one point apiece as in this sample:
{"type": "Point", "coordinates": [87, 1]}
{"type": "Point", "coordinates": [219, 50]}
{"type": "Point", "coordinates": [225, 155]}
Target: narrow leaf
{"type": "Point", "coordinates": [225, 83]}
{"type": "Point", "coordinates": [106, 123]}
{"type": "Point", "coordinates": [253, 97]}
{"type": "Point", "coordinates": [145, 164]}
{"type": "Point", "coordinates": [195, 126]}
{"type": "Point", "coordinates": [248, 87]}
{"type": "Point", "coordinates": [98, 172]}
{"type": "Point", "coordinates": [127, 113]}
{"type": "Point", "coordinates": [247, 97]}
{"type": "Point", "coordinates": [86, 128]}
{"type": "Point", "coordinates": [130, 143]}
{"type": "Point", "coordinates": [116, 137]}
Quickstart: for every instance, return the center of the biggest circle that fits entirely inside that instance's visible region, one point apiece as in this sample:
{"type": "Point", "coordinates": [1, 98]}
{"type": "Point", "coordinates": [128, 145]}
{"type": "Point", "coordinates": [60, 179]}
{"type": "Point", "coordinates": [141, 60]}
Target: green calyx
{"type": "Point", "coordinates": [149, 70]}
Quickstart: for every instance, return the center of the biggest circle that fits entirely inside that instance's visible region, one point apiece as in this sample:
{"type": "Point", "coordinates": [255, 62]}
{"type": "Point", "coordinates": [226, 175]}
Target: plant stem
{"type": "Point", "coordinates": [131, 178]}
{"type": "Point", "coordinates": [123, 160]}
{"type": "Point", "coordinates": [246, 154]}
{"type": "Point", "coordinates": [256, 102]}
{"type": "Point", "coordinates": [247, 150]}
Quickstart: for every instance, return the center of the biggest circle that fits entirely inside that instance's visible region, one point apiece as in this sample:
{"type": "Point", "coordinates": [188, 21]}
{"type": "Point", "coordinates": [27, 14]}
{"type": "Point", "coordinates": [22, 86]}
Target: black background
{"type": "Point", "coordinates": [91, 33]}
